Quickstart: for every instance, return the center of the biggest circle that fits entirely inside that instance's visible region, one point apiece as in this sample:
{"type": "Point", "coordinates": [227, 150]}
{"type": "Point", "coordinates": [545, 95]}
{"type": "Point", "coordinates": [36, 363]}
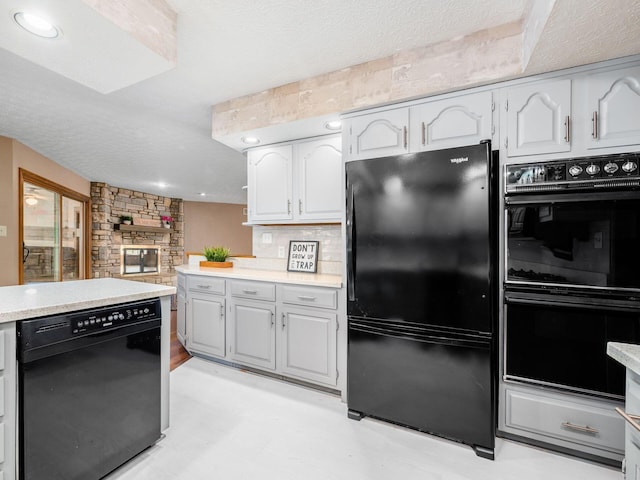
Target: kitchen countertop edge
{"type": "Point", "coordinates": [21, 302]}
{"type": "Point", "coordinates": [628, 354]}
{"type": "Point", "coordinates": [312, 279]}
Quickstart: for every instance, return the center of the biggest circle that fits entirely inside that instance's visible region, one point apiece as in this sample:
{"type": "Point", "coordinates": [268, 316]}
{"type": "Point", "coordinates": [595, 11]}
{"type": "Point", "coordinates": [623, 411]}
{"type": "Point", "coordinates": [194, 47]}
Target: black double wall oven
{"type": "Point", "coordinates": [572, 279]}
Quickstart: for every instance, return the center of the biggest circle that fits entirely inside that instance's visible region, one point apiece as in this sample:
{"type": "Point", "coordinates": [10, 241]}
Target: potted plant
{"type": "Point", "coordinates": [216, 257]}
{"type": "Point", "coordinates": [166, 221]}
{"type": "Point", "coordinates": [126, 219]}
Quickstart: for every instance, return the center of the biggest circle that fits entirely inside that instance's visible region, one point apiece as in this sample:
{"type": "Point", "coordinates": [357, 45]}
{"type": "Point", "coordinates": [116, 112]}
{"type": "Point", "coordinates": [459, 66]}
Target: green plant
{"type": "Point", "coordinates": [216, 254]}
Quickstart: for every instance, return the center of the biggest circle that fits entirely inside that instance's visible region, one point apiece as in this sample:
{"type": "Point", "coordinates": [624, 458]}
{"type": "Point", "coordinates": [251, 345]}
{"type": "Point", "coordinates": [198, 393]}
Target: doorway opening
{"type": "Point", "coordinates": [53, 231]}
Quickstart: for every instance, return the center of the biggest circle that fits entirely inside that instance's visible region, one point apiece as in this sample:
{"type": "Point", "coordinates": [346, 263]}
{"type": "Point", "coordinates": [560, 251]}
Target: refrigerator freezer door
{"type": "Point", "coordinates": [436, 385]}
{"type": "Point", "coordinates": [418, 238]}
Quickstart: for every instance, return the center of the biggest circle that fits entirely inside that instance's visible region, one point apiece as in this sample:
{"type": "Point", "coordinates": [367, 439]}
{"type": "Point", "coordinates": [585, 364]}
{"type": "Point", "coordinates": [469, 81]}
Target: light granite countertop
{"type": "Point", "coordinates": [628, 354]}
{"type": "Point", "coordinates": [35, 300]}
{"type": "Point", "coordinates": [314, 279]}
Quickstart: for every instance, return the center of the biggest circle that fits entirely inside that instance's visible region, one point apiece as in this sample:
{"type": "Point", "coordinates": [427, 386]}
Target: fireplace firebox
{"type": "Point", "coordinates": [139, 260]}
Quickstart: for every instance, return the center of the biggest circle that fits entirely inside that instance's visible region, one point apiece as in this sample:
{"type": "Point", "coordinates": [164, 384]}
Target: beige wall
{"type": "Point", "coordinates": [14, 155]}
{"type": "Point", "coordinates": [213, 224]}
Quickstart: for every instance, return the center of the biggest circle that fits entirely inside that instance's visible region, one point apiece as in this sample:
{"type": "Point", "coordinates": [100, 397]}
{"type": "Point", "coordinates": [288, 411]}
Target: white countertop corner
{"type": "Point", "coordinates": [628, 354]}
{"type": "Point", "coordinates": [20, 302]}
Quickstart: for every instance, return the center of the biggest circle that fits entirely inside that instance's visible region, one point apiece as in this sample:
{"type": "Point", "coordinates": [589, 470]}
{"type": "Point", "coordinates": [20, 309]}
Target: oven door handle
{"type": "Point", "coordinates": [610, 305]}
{"type": "Point", "coordinates": [555, 197]}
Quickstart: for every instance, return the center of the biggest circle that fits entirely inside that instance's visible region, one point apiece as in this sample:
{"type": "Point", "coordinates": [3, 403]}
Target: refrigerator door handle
{"type": "Point", "coordinates": [351, 244]}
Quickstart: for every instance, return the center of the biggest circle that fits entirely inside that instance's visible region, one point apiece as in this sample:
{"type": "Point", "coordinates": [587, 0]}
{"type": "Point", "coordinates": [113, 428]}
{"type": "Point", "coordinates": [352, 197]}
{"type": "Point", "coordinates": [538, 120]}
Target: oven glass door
{"type": "Point", "coordinates": [564, 345]}
{"type": "Point", "coordinates": [586, 241]}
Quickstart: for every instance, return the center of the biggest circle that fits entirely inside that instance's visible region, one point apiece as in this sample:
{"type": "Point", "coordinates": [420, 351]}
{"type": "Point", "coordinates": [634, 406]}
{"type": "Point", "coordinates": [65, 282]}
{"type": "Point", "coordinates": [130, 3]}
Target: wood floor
{"type": "Point", "coordinates": [178, 354]}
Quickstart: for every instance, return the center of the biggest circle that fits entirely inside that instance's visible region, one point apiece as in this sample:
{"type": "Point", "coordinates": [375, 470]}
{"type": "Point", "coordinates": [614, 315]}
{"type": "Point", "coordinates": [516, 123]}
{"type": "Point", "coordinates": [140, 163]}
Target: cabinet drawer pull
{"type": "Point", "coordinates": [307, 298]}
{"type": "Point", "coordinates": [631, 419]}
{"type": "Point", "coordinates": [594, 126]}
{"type": "Point", "coordinates": [567, 129]}
{"type": "Point", "coordinates": [249, 292]}
{"type": "Point", "coordinates": [579, 428]}
{"type": "Point", "coordinates": [204, 286]}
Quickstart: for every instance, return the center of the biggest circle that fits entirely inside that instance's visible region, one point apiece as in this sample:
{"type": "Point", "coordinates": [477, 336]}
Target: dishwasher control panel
{"type": "Point", "coordinates": [116, 316]}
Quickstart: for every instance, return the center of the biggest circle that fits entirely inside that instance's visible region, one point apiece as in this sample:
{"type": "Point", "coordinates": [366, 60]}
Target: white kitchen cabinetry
{"type": "Point", "coordinates": [613, 104]}
{"type": "Point", "coordinates": [378, 134]}
{"type": "Point", "coordinates": [539, 118]}
{"type": "Point", "coordinates": [452, 122]}
{"type": "Point", "coordinates": [632, 433]}
{"type": "Point", "coordinates": [270, 183]}
{"type": "Point", "coordinates": [206, 317]}
{"type": "Point", "coordinates": [308, 344]}
{"type": "Point", "coordinates": [296, 183]}
{"type": "Point", "coordinates": [569, 421]}
{"type": "Point", "coordinates": [319, 185]}
{"type": "Point", "coordinates": [252, 324]}
{"type": "Point", "coordinates": [181, 313]}
{"type": "Point", "coordinates": [8, 408]}
{"type": "Point", "coordinates": [309, 333]}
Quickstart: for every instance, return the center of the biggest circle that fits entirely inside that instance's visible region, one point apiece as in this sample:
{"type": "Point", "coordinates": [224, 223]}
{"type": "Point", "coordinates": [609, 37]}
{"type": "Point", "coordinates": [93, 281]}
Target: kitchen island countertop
{"type": "Point", "coordinates": [35, 300]}
{"type": "Point", "coordinates": [628, 354]}
{"type": "Point", "coordinates": [296, 278]}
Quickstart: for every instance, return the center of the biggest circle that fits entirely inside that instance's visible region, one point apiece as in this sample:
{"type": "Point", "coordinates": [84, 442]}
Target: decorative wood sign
{"type": "Point", "coordinates": [303, 256]}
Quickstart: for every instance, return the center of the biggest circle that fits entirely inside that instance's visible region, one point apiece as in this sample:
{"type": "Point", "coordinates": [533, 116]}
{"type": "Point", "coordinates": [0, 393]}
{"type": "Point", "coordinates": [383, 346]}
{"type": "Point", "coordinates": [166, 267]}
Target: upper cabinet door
{"type": "Point", "coordinates": [379, 134]}
{"type": "Point", "coordinates": [269, 174]}
{"type": "Point", "coordinates": [539, 118]}
{"type": "Point", "coordinates": [614, 106]}
{"type": "Point", "coordinates": [319, 169]}
{"type": "Point", "coordinates": [454, 122]}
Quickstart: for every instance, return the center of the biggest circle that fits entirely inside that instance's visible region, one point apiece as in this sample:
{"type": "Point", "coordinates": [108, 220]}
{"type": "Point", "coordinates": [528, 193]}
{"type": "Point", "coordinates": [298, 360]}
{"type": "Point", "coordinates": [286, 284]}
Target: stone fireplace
{"type": "Point", "coordinates": [140, 251]}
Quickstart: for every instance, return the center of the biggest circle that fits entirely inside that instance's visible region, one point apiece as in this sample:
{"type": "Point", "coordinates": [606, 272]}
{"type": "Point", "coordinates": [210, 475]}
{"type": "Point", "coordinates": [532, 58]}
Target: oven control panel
{"type": "Point", "coordinates": [115, 316]}
{"type": "Point", "coordinates": [580, 172]}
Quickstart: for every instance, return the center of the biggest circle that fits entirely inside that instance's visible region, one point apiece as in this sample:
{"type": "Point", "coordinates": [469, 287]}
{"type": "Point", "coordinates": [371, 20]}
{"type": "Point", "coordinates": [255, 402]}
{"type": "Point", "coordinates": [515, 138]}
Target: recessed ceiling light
{"type": "Point", "coordinates": [333, 125]}
{"type": "Point", "coordinates": [202, 194]}
{"type": "Point", "coordinates": [36, 25]}
{"type": "Point", "coordinates": [162, 185]}
{"type": "Point", "coordinates": [251, 140]}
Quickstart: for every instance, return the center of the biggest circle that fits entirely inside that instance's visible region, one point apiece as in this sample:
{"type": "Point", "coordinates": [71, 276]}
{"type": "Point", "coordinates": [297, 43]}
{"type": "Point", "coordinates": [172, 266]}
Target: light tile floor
{"type": "Point", "coordinates": [231, 425]}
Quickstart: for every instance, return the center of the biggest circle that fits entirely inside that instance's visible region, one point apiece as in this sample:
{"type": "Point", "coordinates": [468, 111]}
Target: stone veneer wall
{"type": "Point", "coordinates": [107, 204]}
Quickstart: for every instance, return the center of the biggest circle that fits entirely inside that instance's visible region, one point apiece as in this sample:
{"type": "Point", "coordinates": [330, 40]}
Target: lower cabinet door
{"type": "Point", "coordinates": [206, 324]}
{"type": "Point", "coordinates": [253, 339]}
{"type": "Point", "coordinates": [308, 346]}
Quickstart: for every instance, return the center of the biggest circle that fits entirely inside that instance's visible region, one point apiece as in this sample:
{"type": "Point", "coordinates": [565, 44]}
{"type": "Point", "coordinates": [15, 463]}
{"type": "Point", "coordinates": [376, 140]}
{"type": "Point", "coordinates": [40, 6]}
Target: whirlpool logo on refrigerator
{"type": "Point", "coordinates": [460, 160]}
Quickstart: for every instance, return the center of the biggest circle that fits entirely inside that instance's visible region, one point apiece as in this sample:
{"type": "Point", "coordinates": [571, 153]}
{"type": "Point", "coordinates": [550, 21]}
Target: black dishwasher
{"type": "Point", "coordinates": [89, 390]}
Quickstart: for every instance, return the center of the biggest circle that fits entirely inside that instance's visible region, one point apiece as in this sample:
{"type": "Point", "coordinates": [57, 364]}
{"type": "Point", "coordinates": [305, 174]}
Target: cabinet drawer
{"type": "Point", "coordinates": [199, 283]}
{"type": "Point", "coordinates": [595, 425]}
{"type": "Point", "coordinates": [310, 296]}
{"type": "Point", "coordinates": [257, 290]}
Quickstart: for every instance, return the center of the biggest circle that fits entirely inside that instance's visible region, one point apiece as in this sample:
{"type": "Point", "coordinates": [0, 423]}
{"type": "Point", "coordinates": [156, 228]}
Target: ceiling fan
{"type": "Point", "coordinates": [32, 194]}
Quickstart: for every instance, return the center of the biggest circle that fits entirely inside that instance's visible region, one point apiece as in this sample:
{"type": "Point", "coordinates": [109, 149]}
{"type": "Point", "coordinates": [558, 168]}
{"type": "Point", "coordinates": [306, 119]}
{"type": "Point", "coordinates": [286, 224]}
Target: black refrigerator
{"type": "Point", "coordinates": [421, 295]}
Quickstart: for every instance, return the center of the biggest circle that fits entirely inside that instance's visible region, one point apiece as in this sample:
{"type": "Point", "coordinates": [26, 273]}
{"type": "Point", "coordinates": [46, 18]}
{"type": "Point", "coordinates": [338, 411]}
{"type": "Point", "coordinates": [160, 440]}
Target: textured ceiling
{"type": "Point", "coordinates": [159, 130]}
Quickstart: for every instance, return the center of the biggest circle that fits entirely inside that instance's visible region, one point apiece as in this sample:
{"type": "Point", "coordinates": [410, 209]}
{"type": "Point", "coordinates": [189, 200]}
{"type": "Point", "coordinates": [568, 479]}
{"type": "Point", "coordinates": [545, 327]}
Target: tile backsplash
{"type": "Point", "coordinates": [271, 245]}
